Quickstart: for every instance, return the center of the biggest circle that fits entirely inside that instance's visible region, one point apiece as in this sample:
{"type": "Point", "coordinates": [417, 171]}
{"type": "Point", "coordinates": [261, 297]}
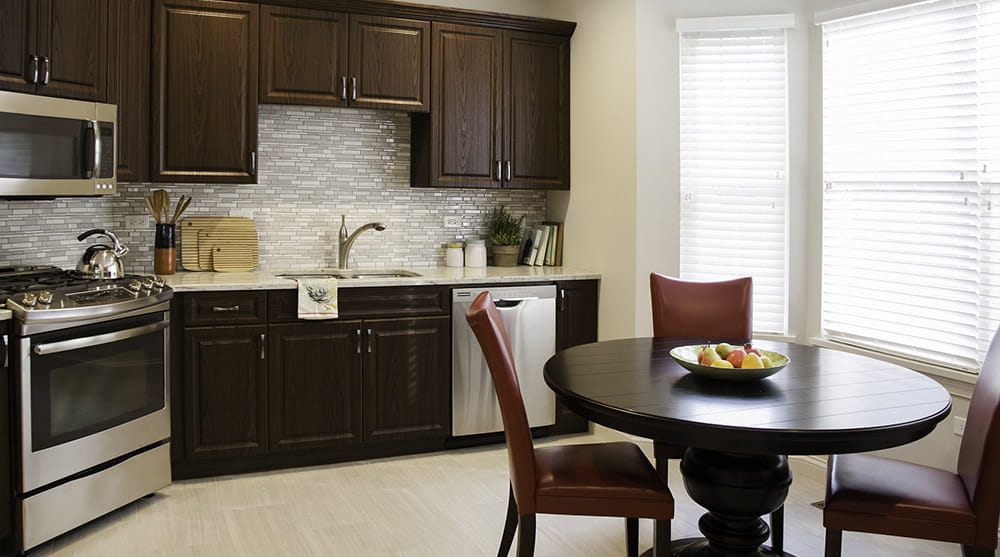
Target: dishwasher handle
{"type": "Point", "coordinates": [502, 303]}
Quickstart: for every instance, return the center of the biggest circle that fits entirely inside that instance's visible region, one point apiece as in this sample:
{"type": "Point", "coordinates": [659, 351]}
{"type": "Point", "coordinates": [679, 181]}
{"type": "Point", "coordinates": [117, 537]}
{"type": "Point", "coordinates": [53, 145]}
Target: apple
{"type": "Point", "coordinates": [752, 361]}
{"type": "Point", "coordinates": [721, 363]}
{"type": "Point", "coordinates": [708, 356]}
{"type": "Point", "coordinates": [724, 348]}
{"type": "Point", "coordinates": [748, 348]}
{"type": "Point", "coordinates": [736, 357]}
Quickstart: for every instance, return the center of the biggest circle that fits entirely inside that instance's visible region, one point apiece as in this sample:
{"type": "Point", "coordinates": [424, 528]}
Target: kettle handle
{"type": "Point", "coordinates": [117, 247]}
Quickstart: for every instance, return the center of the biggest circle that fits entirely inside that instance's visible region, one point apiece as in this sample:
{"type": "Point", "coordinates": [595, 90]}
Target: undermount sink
{"type": "Point", "coordinates": [349, 274]}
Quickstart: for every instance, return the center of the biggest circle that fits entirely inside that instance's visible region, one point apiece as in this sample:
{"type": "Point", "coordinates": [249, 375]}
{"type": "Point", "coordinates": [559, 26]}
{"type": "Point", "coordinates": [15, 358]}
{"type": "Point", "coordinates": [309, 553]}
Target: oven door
{"type": "Point", "coordinates": [91, 394]}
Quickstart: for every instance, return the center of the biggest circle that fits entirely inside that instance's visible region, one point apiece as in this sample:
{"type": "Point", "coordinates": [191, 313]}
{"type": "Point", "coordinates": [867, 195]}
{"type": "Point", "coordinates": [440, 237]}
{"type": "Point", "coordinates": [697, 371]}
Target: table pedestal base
{"type": "Point", "coordinates": [736, 490]}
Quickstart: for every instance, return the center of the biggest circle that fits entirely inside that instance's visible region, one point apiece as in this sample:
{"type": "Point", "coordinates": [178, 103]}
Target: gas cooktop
{"type": "Point", "coordinates": [51, 294]}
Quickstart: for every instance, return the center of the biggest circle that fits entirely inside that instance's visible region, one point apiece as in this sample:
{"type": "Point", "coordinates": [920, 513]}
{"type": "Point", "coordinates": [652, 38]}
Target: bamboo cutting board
{"type": "Point", "coordinates": [203, 238]}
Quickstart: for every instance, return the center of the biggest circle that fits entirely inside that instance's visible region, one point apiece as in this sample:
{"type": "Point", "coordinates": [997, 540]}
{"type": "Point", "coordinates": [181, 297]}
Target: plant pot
{"type": "Point", "coordinates": [505, 256]}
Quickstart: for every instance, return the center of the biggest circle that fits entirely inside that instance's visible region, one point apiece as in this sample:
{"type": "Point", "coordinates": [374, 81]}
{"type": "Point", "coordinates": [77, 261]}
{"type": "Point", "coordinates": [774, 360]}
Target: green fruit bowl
{"type": "Point", "coordinates": [687, 357]}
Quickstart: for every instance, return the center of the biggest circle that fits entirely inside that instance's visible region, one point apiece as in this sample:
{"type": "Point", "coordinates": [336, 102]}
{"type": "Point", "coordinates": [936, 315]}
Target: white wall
{"type": "Point", "coordinates": [600, 210]}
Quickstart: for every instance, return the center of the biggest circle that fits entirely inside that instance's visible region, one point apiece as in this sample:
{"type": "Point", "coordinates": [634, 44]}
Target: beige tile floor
{"type": "Point", "coordinates": [434, 505]}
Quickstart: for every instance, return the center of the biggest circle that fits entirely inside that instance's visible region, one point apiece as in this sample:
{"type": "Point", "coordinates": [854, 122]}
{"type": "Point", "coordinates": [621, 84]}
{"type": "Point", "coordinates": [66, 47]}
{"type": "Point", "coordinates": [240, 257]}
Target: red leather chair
{"type": "Point", "coordinates": [603, 479]}
{"type": "Point", "coordinates": [866, 493]}
{"type": "Point", "coordinates": [719, 311]}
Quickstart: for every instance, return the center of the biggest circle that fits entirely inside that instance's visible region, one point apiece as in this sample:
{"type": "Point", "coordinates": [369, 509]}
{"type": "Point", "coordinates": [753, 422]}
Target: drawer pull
{"type": "Point", "coordinates": [226, 308]}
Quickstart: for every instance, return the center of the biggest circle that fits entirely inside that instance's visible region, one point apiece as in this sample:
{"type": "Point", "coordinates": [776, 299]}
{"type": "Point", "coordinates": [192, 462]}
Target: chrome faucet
{"type": "Point", "coordinates": [345, 242]}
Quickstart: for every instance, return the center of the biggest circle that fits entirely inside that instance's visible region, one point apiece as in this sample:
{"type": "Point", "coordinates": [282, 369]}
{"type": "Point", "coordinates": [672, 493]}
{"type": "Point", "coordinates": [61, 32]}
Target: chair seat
{"type": "Point", "coordinates": [602, 479]}
{"type": "Point", "coordinates": [891, 489]}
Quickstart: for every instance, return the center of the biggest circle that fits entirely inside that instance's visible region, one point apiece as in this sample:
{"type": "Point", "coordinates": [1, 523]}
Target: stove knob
{"type": "Point", "coordinates": [45, 297]}
{"type": "Point", "coordinates": [29, 299]}
{"type": "Point", "coordinates": [147, 283]}
{"type": "Point", "coordinates": [134, 285]}
{"type": "Point", "coordinates": [158, 282]}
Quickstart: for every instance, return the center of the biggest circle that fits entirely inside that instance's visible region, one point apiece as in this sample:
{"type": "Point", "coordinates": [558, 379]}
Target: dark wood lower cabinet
{"type": "Point", "coordinates": [259, 389]}
{"type": "Point", "coordinates": [407, 378]}
{"type": "Point", "coordinates": [225, 392]}
{"type": "Point", "coordinates": [314, 385]}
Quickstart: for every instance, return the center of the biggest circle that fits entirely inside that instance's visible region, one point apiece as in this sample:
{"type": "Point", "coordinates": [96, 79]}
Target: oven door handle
{"type": "Point", "coordinates": [97, 340]}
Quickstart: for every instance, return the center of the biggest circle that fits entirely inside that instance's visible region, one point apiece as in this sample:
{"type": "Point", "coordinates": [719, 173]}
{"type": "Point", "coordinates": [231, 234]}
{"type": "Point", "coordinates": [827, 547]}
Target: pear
{"type": "Point", "coordinates": [722, 363]}
{"type": "Point", "coordinates": [724, 349]}
{"type": "Point", "coordinates": [766, 361]}
{"type": "Point", "coordinates": [708, 356]}
{"type": "Point", "coordinates": [752, 361]}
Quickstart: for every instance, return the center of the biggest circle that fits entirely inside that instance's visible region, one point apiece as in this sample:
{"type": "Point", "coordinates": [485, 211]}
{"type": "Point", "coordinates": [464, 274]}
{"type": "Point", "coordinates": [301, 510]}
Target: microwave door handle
{"type": "Point", "coordinates": [97, 340]}
{"type": "Point", "coordinates": [97, 149]}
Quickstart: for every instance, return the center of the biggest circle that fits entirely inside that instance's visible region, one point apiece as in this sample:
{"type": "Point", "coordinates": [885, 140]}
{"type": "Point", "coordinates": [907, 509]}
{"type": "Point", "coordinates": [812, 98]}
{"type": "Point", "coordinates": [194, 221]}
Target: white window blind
{"type": "Point", "coordinates": [911, 234]}
{"type": "Point", "coordinates": [734, 164]}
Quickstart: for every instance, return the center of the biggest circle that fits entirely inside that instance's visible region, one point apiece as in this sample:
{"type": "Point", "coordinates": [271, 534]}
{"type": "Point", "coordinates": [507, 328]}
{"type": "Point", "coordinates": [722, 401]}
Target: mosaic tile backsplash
{"type": "Point", "coordinates": [315, 163]}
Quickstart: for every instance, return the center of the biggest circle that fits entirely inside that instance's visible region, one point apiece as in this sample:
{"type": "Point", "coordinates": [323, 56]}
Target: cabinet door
{"type": "Point", "coordinates": [462, 145]}
{"type": "Point", "coordinates": [314, 385]}
{"type": "Point", "coordinates": [128, 85]}
{"type": "Point", "coordinates": [390, 63]}
{"type": "Point", "coordinates": [204, 91]}
{"type": "Point", "coordinates": [407, 379]}
{"type": "Point", "coordinates": [225, 391]}
{"type": "Point", "coordinates": [536, 111]}
{"type": "Point", "coordinates": [17, 44]}
{"type": "Point", "coordinates": [6, 443]}
{"type": "Point", "coordinates": [576, 323]}
{"type": "Point", "coordinates": [303, 56]}
{"type": "Point", "coordinates": [73, 36]}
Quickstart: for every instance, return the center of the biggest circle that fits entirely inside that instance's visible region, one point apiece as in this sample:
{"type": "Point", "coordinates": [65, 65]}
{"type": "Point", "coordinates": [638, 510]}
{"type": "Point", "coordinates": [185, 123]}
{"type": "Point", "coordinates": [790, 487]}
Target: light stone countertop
{"type": "Point", "coordinates": [204, 281]}
{"type": "Point", "coordinates": [5, 314]}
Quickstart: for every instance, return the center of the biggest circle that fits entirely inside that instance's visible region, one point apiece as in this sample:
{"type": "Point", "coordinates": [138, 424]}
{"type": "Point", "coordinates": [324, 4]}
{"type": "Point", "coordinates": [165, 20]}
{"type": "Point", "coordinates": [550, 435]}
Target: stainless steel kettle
{"type": "Point", "coordinates": [100, 261]}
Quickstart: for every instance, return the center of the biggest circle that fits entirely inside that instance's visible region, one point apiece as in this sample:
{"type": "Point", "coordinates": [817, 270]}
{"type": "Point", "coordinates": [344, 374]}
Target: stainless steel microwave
{"type": "Point", "coordinates": [56, 147]}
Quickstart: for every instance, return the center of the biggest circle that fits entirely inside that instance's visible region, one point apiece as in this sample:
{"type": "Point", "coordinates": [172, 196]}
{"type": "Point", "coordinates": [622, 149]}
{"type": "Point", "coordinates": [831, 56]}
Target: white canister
{"type": "Point", "coordinates": [453, 256]}
{"type": "Point", "coordinates": [475, 253]}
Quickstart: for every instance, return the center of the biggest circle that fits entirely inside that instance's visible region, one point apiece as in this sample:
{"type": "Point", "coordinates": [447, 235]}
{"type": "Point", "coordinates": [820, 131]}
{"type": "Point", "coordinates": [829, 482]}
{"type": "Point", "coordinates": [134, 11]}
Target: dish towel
{"type": "Point", "coordinates": [317, 298]}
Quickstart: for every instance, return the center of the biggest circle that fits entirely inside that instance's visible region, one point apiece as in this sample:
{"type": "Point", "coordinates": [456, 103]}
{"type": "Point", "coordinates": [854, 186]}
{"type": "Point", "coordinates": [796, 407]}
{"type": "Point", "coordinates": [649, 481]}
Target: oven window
{"type": "Point", "coordinates": [40, 147]}
{"type": "Point", "coordinates": [79, 392]}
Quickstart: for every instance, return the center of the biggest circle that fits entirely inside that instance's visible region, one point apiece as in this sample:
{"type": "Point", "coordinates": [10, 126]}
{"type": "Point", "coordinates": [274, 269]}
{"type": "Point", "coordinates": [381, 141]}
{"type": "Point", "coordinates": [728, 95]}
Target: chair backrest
{"type": "Point", "coordinates": [486, 323]}
{"type": "Point", "coordinates": [979, 455]}
{"type": "Point", "coordinates": [711, 310]}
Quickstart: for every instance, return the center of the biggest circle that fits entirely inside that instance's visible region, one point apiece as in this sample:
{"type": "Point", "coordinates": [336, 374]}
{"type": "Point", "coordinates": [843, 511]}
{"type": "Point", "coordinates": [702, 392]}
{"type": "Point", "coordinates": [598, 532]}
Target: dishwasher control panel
{"type": "Point", "coordinates": [460, 295]}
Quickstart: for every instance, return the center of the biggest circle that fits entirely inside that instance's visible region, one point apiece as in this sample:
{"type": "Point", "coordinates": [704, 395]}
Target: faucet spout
{"type": "Point", "coordinates": [345, 240]}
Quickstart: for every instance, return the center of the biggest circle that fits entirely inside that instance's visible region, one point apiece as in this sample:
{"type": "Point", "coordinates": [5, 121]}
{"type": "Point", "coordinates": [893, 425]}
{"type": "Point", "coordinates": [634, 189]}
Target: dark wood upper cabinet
{"type": "Point", "coordinates": [225, 401]}
{"type": "Point", "coordinates": [407, 389]}
{"type": "Point", "coordinates": [536, 109]}
{"type": "Point", "coordinates": [18, 29]}
{"type": "Point", "coordinates": [314, 385]}
{"type": "Point", "coordinates": [303, 56]}
{"type": "Point", "coordinates": [500, 115]}
{"type": "Point", "coordinates": [317, 57]}
{"type": "Point", "coordinates": [128, 85]}
{"type": "Point", "coordinates": [390, 63]}
{"type": "Point", "coordinates": [204, 97]}
{"type": "Point", "coordinates": [55, 47]}
{"type": "Point", "coordinates": [459, 144]}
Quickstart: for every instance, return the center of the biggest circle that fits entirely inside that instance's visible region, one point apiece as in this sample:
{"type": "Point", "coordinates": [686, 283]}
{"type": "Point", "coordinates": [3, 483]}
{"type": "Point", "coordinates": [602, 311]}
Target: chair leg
{"type": "Point", "coordinates": [833, 539]}
{"type": "Point", "coordinates": [526, 536]}
{"type": "Point", "coordinates": [974, 551]}
{"type": "Point", "coordinates": [632, 537]}
{"type": "Point", "coordinates": [661, 538]}
{"type": "Point", "coordinates": [662, 467]}
{"type": "Point", "coordinates": [778, 530]}
{"type": "Point", "coordinates": [509, 526]}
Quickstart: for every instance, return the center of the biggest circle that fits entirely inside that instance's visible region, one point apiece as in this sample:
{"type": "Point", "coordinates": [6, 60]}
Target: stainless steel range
{"type": "Point", "coordinates": [90, 360]}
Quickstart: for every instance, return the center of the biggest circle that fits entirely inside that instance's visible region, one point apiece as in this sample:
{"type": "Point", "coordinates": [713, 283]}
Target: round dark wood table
{"type": "Point", "coordinates": [739, 434]}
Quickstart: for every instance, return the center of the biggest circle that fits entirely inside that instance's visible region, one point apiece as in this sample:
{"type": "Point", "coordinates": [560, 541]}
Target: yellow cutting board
{"type": "Point", "coordinates": [238, 232]}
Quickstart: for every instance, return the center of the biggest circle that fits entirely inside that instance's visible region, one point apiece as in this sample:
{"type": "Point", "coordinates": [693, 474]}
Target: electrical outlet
{"type": "Point", "coordinates": [959, 425]}
{"type": "Point", "coordinates": [453, 222]}
{"type": "Point", "coordinates": [245, 213]}
{"type": "Point", "coordinates": [137, 221]}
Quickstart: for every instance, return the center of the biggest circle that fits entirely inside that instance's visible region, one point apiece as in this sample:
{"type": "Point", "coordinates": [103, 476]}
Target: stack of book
{"type": "Point", "coordinates": [543, 244]}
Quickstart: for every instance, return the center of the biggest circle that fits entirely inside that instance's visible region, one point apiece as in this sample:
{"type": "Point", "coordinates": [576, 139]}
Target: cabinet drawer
{"type": "Point", "coordinates": [384, 301]}
{"type": "Point", "coordinates": [218, 308]}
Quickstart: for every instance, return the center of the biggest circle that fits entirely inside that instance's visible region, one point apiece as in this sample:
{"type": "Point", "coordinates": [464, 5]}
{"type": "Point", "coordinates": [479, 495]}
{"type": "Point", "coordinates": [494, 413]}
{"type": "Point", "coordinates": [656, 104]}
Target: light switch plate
{"type": "Point", "coordinates": [959, 425]}
{"type": "Point", "coordinates": [137, 221]}
{"type": "Point", "coordinates": [453, 222]}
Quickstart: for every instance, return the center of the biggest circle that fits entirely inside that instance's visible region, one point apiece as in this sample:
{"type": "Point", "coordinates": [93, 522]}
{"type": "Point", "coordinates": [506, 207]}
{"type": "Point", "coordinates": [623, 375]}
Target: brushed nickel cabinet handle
{"type": "Point", "coordinates": [354, 88]}
{"type": "Point", "coordinates": [359, 341]}
{"type": "Point", "coordinates": [47, 64]}
{"type": "Point", "coordinates": [262, 340]}
{"type": "Point", "coordinates": [225, 308]}
{"type": "Point", "coordinates": [499, 171]}
{"type": "Point", "coordinates": [343, 87]}
{"type": "Point", "coordinates": [32, 76]}
{"type": "Point", "coordinates": [253, 163]}
{"type": "Point", "coordinates": [508, 171]}
{"type": "Point", "coordinates": [371, 339]}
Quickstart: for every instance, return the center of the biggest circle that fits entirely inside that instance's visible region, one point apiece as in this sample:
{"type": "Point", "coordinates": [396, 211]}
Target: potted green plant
{"type": "Point", "coordinates": [505, 235]}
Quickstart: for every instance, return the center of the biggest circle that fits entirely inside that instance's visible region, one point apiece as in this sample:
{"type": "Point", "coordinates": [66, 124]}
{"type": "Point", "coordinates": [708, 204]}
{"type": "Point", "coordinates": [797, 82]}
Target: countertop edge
{"type": "Point", "coordinates": [209, 281]}
{"type": "Point", "coordinates": [5, 314]}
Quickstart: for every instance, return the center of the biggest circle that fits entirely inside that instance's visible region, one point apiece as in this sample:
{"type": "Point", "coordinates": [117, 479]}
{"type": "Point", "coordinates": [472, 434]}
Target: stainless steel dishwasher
{"type": "Point", "coordinates": [529, 317]}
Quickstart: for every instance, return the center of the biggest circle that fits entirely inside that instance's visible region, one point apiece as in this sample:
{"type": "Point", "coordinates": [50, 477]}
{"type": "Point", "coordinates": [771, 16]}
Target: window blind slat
{"type": "Point", "coordinates": [734, 159]}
